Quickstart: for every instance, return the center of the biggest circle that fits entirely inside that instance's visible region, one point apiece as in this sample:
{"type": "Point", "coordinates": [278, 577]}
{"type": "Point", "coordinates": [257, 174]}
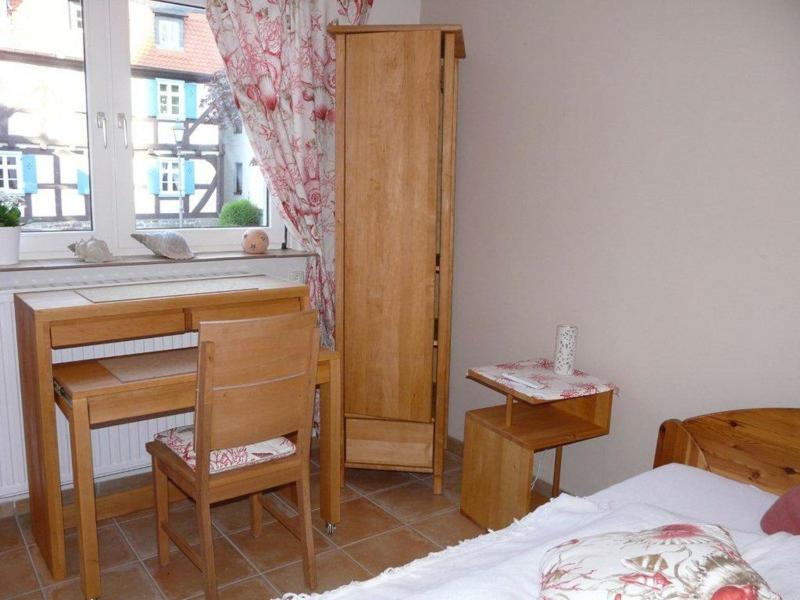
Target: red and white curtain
{"type": "Point", "coordinates": [281, 65]}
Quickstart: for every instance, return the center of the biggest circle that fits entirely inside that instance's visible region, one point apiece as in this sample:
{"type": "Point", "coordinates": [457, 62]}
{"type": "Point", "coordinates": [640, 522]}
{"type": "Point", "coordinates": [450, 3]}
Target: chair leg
{"type": "Point", "coordinates": [207, 548]}
{"type": "Point", "coordinates": [306, 532]}
{"type": "Point", "coordinates": [256, 515]}
{"type": "Point", "coordinates": [161, 488]}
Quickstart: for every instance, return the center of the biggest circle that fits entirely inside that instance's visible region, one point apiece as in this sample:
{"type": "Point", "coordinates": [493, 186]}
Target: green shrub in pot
{"type": "Point", "coordinates": [240, 213]}
{"type": "Point", "coordinates": [9, 229]}
{"type": "Point", "coordinates": [9, 213]}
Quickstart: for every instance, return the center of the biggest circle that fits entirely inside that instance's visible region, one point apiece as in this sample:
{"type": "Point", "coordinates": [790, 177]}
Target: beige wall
{"type": "Point", "coordinates": [633, 167]}
{"type": "Point", "coordinates": [394, 12]}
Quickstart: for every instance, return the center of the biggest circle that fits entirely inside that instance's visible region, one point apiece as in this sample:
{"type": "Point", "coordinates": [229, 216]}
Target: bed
{"type": "Point", "coordinates": [724, 468]}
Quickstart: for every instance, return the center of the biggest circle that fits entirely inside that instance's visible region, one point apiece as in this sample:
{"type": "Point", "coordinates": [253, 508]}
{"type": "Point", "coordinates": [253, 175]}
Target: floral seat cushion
{"type": "Point", "coordinates": [181, 441]}
{"type": "Point", "coordinates": [675, 562]}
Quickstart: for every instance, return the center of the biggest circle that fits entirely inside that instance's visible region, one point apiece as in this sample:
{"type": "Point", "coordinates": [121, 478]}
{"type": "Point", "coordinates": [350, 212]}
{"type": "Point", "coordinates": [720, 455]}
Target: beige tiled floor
{"type": "Point", "coordinates": [388, 519]}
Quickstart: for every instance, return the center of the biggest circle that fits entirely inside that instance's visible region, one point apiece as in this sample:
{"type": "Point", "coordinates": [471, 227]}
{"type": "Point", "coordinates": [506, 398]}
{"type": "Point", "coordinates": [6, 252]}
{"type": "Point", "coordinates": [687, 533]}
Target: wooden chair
{"type": "Point", "coordinates": [255, 383]}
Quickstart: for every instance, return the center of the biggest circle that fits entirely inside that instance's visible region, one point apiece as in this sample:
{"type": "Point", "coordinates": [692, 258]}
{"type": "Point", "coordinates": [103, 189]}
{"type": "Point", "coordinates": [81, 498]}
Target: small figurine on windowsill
{"type": "Point", "coordinates": [92, 250]}
{"type": "Point", "coordinates": [255, 241]}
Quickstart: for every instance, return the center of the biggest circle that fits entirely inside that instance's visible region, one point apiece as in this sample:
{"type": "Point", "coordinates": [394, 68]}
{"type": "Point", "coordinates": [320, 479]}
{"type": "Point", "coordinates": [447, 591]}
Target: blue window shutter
{"type": "Point", "coordinates": [152, 99]}
{"type": "Point", "coordinates": [190, 100]}
{"type": "Point", "coordinates": [31, 185]}
{"type": "Point", "coordinates": [188, 177]}
{"type": "Point", "coordinates": [154, 179]}
{"type": "Point", "coordinates": [83, 183]}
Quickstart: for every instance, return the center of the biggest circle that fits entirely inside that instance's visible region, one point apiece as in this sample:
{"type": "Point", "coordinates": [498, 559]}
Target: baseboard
{"type": "Point", "coordinates": [455, 446]}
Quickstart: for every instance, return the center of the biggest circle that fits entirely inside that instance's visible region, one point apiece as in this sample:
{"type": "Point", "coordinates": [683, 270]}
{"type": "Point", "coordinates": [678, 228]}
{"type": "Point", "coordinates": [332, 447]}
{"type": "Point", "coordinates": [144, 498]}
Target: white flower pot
{"type": "Point", "coordinates": [9, 245]}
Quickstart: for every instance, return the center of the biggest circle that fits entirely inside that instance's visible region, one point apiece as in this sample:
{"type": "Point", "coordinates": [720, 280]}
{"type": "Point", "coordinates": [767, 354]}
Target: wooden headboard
{"type": "Point", "coordinates": [760, 446]}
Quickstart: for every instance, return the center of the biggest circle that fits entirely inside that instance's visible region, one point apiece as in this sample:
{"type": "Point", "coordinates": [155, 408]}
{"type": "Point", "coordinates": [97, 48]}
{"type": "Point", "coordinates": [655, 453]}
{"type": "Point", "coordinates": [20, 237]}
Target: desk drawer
{"type": "Point", "coordinates": [109, 329]}
{"type": "Point", "coordinates": [247, 310]}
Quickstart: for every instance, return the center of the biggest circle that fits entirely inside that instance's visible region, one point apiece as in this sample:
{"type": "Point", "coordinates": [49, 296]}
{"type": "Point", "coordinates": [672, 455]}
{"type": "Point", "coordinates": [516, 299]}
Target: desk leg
{"type": "Point", "coordinates": [509, 409]}
{"type": "Point", "coordinates": [330, 447]}
{"type": "Point", "coordinates": [83, 474]}
{"type": "Point", "coordinates": [41, 447]}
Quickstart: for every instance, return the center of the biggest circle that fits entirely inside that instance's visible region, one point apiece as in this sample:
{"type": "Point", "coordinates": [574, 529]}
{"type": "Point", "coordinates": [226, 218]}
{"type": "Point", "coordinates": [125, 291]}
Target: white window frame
{"type": "Point", "coordinates": [4, 178]}
{"type": "Point", "coordinates": [169, 96]}
{"type": "Point", "coordinates": [169, 166]}
{"type": "Point", "coordinates": [169, 43]}
{"type": "Point", "coordinates": [108, 86]}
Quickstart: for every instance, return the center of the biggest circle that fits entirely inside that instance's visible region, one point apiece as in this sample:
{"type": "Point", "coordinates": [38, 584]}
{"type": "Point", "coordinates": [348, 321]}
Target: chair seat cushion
{"type": "Point", "coordinates": [181, 441]}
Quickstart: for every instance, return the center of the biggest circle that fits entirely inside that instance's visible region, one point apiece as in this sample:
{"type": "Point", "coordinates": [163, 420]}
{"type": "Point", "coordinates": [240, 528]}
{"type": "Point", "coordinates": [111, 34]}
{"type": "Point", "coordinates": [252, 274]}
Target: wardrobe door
{"type": "Point", "coordinates": [392, 115]}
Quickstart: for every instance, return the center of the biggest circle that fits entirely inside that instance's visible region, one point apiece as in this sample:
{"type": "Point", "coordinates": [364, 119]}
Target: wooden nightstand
{"type": "Point", "coordinates": [499, 458]}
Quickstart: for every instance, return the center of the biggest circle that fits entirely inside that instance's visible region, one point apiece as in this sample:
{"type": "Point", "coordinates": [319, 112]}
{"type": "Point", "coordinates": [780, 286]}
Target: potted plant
{"type": "Point", "coordinates": [9, 229]}
{"type": "Point", "coordinates": [240, 213]}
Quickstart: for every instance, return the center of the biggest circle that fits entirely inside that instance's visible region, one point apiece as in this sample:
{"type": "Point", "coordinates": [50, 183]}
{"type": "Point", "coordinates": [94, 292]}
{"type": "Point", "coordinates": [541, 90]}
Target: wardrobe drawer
{"type": "Point", "coordinates": [398, 444]}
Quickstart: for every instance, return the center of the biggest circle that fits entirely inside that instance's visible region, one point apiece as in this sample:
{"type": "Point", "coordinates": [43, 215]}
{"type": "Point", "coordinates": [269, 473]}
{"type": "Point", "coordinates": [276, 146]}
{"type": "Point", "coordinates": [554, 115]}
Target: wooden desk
{"type": "Point", "coordinates": [59, 319]}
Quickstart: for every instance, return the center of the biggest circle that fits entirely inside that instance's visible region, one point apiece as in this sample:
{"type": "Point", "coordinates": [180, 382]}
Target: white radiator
{"type": "Point", "coordinates": [116, 449]}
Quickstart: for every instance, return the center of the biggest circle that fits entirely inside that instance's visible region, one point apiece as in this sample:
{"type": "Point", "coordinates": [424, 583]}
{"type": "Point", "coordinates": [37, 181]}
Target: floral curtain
{"type": "Point", "coordinates": [281, 65]}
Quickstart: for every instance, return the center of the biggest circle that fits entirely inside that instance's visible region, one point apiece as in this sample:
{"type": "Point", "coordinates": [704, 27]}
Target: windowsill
{"type": "Point", "coordinates": [146, 259]}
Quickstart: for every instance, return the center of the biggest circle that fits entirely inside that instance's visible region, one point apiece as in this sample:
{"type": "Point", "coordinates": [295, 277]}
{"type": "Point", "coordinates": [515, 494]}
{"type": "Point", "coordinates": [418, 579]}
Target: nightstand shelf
{"type": "Point", "coordinates": [499, 458]}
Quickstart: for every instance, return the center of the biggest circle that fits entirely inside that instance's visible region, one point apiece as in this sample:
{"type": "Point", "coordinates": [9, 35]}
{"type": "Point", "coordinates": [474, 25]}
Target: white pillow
{"type": "Point", "coordinates": [682, 561]}
{"type": "Point", "coordinates": [777, 558]}
{"type": "Point", "coordinates": [700, 495]}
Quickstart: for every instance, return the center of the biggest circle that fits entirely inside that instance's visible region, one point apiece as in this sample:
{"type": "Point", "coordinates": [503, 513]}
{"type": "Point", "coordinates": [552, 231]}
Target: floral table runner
{"type": "Point", "coordinates": [555, 387]}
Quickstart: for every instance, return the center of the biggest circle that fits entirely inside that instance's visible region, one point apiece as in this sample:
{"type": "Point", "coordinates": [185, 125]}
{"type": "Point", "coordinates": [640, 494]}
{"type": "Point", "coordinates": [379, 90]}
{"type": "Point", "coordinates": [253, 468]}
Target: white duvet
{"type": "Point", "coordinates": [505, 564]}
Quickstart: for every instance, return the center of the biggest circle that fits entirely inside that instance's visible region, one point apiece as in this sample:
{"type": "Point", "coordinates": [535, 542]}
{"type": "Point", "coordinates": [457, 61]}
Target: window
{"type": "Point", "coordinates": [10, 163]}
{"type": "Point", "coordinates": [75, 14]}
{"type": "Point", "coordinates": [104, 131]}
{"type": "Point", "coordinates": [169, 178]}
{"type": "Point", "coordinates": [170, 99]}
{"type": "Point", "coordinates": [169, 32]}
{"type": "Point", "coordinates": [44, 133]}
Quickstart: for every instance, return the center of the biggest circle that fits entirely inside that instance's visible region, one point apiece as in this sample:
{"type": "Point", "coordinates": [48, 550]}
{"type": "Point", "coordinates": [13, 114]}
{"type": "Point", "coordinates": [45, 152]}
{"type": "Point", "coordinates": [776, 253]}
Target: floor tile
{"type": "Point", "coordinates": [24, 521]}
{"type": "Point", "coordinates": [413, 502]}
{"type": "Point", "coordinates": [345, 494]}
{"type": "Point", "coordinates": [369, 481]}
{"type": "Point", "coordinates": [334, 569]}
{"type": "Point", "coordinates": [10, 535]}
{"type": "Point", "coordinates": [451, 484]}
{"type": "Point", "coordinates": [31, 596]}
{"type": "Point", "coordinates": [141, 532]}
{"type": "Point", "coordinates": [181, 579]}
{"type": "Point", "coordinates": [451, 461]}
{"type": "Point", "coordinates": [275, 547]}
{"type": "Point", "coordinates": [255, 588]}
{"type": "Point", "coordinates": [114, 551]}
{"type": "Point", "coordinates": [128, 582]}
{"type": "Point", "coordinates": [390, 549]}
{"type": "Point", "coordinates": [360, 519]}
{"type": "Point", "coordinates": [448, 529]}
{"type": "Point", "coordinates": [234, 515]}
{"type": "Point", "coordinates": [16, 573]}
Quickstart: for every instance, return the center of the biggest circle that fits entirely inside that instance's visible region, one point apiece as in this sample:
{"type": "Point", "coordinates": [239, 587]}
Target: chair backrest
{"type": "Point", "coordinates": [256, 381]}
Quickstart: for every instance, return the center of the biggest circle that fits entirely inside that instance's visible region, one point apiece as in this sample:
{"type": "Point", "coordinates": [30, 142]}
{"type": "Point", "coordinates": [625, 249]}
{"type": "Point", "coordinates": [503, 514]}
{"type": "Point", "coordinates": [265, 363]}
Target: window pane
{"type": "Point", "coordinates": [183, 110]}
{"type": "Point", "coordinates": [43, 125]}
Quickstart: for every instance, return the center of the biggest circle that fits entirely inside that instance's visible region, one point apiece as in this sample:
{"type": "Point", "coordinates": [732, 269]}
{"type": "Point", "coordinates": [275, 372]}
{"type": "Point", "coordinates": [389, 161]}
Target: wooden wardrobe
{"type": "Point", "coordinates": [395, 171]}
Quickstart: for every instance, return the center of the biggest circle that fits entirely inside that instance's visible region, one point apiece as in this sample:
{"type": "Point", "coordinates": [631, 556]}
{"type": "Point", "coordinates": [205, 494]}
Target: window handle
{"type": "Point", "coordinates": [122, 123]}
{"type": "Point", "coordinates": [103, 125]}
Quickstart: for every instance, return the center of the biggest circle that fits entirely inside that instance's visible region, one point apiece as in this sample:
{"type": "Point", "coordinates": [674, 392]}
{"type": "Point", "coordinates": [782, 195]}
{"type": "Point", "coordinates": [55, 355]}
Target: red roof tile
{"type": "Point", "coordinates": [199, 54]}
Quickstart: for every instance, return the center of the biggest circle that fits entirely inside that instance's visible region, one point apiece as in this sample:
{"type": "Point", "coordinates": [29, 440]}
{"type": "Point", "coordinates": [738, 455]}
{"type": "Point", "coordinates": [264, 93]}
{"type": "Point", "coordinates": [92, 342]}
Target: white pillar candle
{"type": "Point", "coordinates": [564, 361]}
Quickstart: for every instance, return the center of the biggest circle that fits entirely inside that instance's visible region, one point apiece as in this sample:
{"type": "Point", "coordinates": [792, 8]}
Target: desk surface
{"type": "Point", "coordinates": [69, 304]}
